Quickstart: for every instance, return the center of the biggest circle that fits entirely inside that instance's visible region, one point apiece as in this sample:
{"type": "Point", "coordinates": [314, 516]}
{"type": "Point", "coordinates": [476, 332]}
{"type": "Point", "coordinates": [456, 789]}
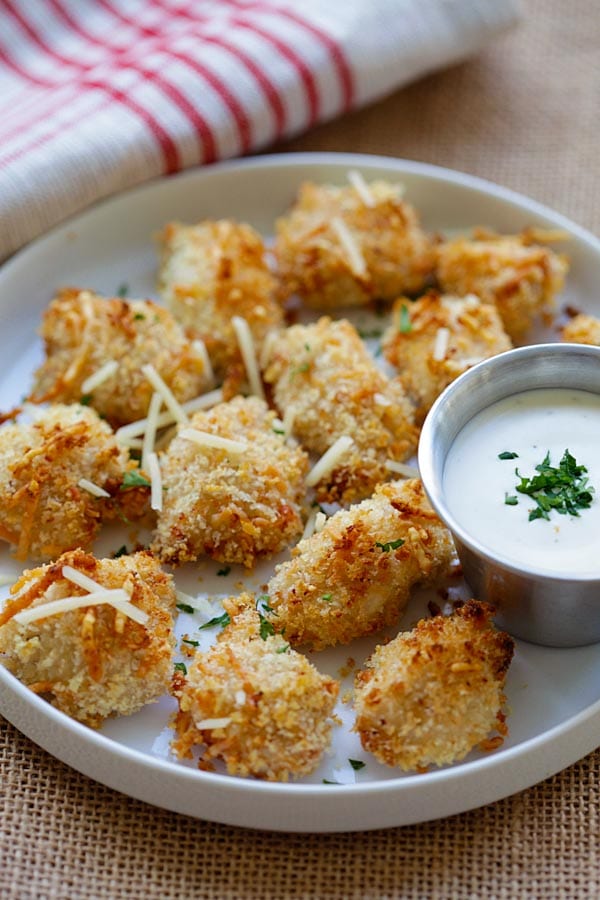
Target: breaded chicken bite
{"type": "Point", "coordinates": [210, 273]}
{"type": "Point", "coordinates": [582, 329]}
{"type": "Point", "coordinates": [345, 247]}
{"type": "Point", "coordinates": [434, 693]}
{"type": "Point", "coordinates": [83, 333]}
{"type": "Point", "coordinates": [327, 385]}
{"type": "Point", "coordinates": [438, 337]}
{"type": "Point", "coordinates": [254, 702]}
{"type": "Point", "coordinates": [105, 651]}
{"type": "Point", "coordinates": [235, 495]}
{"type": "Point", "coordinates": [60, 478]}
{"type": "Point", "coordinates": [355, 576]}
{"type": "Point", "coordinates": [521, 277]}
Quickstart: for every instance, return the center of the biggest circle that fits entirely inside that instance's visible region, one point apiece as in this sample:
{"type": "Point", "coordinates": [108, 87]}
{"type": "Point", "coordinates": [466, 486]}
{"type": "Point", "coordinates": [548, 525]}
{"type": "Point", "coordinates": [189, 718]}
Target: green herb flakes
{"type": "Point", "coordinates": [86, 399]}
{"type": "Point", "coordinates": [266, 629]}
{"type": "Point", "coordinates": [357, 764]}
{"type": "Point", "coordinates": [134, 478]}
{"type": "Point", "coordinates": [327, 598]}
{"type": "Point", "coordinates": [185, 607]}
{"type": "Point", "coordinates": [220, 621]}
{"type": "Point", "coordinates": [191, 643]}
{"type": "Point", "coordinates": [390, 545]}
{"type": "Point", "coordinates": [283, 649]}
{"type": "Point", "coordinates": [511, 500]}
{"type": "Point", "coordinates": [181, 667]}
{"type": "Point", "coordinates": [508, 454]}
{"type": "Point", "coordinates": [563, 489]}
{"type": "Point", "coordinates": [123, 290]}
{"type": "Point", "coordinates": [122, 551]}
{"type": "Point", "coordinates": [405, 324]}
{"type": "Point", "coordinates": [224, 571]}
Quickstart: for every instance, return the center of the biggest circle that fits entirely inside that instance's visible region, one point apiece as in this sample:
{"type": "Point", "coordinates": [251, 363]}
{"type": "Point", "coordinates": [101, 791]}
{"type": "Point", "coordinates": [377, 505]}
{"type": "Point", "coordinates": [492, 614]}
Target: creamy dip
{"type": "Point", "coordinates": [476, 482]}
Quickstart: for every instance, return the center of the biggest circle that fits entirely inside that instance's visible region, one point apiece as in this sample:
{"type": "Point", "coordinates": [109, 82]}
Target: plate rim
{"type": "Point", "coordinates": [239, 786]}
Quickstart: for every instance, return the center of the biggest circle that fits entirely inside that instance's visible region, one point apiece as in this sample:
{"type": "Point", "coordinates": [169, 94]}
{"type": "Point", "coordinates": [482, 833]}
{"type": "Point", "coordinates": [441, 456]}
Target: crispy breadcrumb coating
{"type": "Point", "coordinates": [234, 507]}
{"type": "Point", "coordinates": [355, 576]}
{"type": "Point", "coordinates": [274, 706]}
{"type": "Point", "coordinates": [93, 662]}
{"type": "Point", "coordinates": [392, 253]}
{"type": "Point", "coordinates": [519, 275]}
{"type": "Point", "coordinates": [434, 693]}
{"type": "Point", "coordinates": [83, 331]}
{"type": "Point", "coordinates": [43, 510]}
{"type": "Point", "coordinates": [582, 329]}
{"type": "Point", "coordinates": [323, 376]}
{"type": "Point", "coordinates": [429, 359]}
{"type": "Point", "coordinates": [211, 272]}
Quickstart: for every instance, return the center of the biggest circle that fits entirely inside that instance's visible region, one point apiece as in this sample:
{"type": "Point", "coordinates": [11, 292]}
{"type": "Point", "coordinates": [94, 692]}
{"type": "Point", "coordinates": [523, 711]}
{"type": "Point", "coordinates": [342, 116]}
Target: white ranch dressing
{"type": "Point", "coordinates": [476, 481]}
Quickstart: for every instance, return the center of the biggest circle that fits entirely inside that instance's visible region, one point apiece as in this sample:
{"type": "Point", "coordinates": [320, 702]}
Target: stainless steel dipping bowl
{"type": "Point", "coordinates": [552, 609]}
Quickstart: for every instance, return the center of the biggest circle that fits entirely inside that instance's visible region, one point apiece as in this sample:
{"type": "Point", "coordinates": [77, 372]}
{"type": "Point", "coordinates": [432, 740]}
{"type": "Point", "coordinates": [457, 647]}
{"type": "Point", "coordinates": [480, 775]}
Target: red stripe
{"type": "Point", "coordinates": [165, 141]}
{"type": "Point", "coordinates": [269, 90]}
{"type": "Point", "coordinates": [230, 101]}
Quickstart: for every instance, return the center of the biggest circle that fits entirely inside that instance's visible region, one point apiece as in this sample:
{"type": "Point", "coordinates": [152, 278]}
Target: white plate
{"type": "Point", "coordinates": [553, 694]}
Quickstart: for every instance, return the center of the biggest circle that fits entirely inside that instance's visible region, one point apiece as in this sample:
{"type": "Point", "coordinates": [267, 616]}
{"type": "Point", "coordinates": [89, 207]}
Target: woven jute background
{"type": "Point", "coordinates": [525, 114]}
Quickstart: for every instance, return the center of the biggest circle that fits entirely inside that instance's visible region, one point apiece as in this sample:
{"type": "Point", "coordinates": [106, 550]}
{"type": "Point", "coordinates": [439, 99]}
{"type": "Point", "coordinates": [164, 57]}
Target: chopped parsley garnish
{"type": "Point", "coordinates": [369, 333]}
{"type": "Point", "coordinates": [221, 621]}
{"type": "Point", "coordinates": [191, 643]}
{"type": "Point", "coordinates": [134, 478]}
{"type": "Point", "coordinates": [508, 454]}
{"type": "Point", "coordinates": [357, 764]}
{"type": "Point", "coordinates": [303, 367]}
{"type": "Point", "coordinates": [307, 348]}
{"type": "Point", "coordinates": [185, 607]}
{"type": "Point", "coordinates": [181, 667]}
{"type": "Point", "coordinates": [511, 500]}
{"type": "Point", "coordinates": [283, 649]}
{"type": "Point", "coordinates": [327, 598]}
{"type": "Point", "coordinates": [390, 545]}
{"type": "Point", "coordinates": [139, 316]}
{"type": "Point", "coordinates": [86, 399]}
{"type": "Point", "coordinates": [123, 290]}
{"type": "Point", "coordinates": [122, 551]}
{"type": "Point", "coordinates": [405, 324]}
{"type": "Point", "coordinates": [266, 629]}
{"type": "Point", "coordinates": [278, 430]}
{"type": "Point", "coordinates": [224, 571]}
{"type": "Point", "coordinates": [263, 601]}
{"type": "Point", "coordinates": [563, 489]}
{"type": "Point", "coordinates": [325, 781]}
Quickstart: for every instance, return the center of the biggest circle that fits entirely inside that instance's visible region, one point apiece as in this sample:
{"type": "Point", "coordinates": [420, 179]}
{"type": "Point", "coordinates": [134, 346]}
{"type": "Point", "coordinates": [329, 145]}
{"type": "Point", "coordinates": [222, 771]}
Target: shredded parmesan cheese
{"type": "Point", "coordinates": [166, 393]}
{"type": "Point", "coordinates": [401, 469]}
{"type": "Point", "coordinates": [329, 460]}
{"type": "Point", "coordinates": [440, 346]}
{"type": "Point", "coordinates": [204, 401]}
{"type": "Point", "coordinates": [265, 353]}
{"type": "Point", "coordinates": [214, 723]}
{"type": "Point", "coordinates": [288, 421]}
{"type": "Point", "coordinates": [206, 439]}
{"type": "Point", "coordinates": [100, 376]}
{"type": "Point", "coordinates": [116, 598]}
{"type": "Point", "coordinates": [92, 488]}
{"type": "Point", "coordinates": [361, 187]}
{"type": "Point", "coordinates": [200, 348]}
{"type": "Point", "coordinates": [381, 400]}
{"type": "Point", "coordinates": [356, 260]}
{"type": "Point", "coordinates": [81, 580]}
{"type": "Point", "coordinates": [240, 698]}
{"type": "Point", "coordinates": [151, 427]}
{"type": "Point", "coordinates": [309, 528]}
{"type": "Point", "coordinates": [200, 604]}
{"type": "Point", "coordinates": [247, 349]}
{"type": "Point", "coordinates": [156, 492]}
{"type": "Point", "coordinates": [320, 520]}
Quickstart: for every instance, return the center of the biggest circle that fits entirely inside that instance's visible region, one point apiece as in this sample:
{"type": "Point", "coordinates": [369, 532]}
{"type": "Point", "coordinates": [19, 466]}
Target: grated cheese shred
{"type": "Point", "coordinates": [320, 520]}
{"type": "Point", "coordinates": [166, 393]}
{"type": "Point", "coordinates": [402, 469]}
{"type": "Point", "coordinates": [203, 401]}
{"type": "Point", "coordinates": [116, 598]}
{"type": "Point", "coordinates": [97, 378]}
{"type": "Point", "coordinates": [215, 441]}
{"type": "Point", "coordinates": [309, 528]}
{"type": "Point", "coordinates": [151, 428]}
{"type": "Point", "coordinates": [248, 351]}
{"type": "Point", "coordinates": [361, 187]}
{"type": "Point", "coordinates": [329, 460]}
{"type": "Point", "coordinates": [200, 348]}
{"type": "Point", "coordinates": [156, 491]}
{"type": "Point", "coordinates": [356, 260]}
{"type": "Point", "coordinates": [93, 489]}
{"type": "Point", "coordinates": [440, 346]}
{"type": "Point", "coordinates": [214, 723]}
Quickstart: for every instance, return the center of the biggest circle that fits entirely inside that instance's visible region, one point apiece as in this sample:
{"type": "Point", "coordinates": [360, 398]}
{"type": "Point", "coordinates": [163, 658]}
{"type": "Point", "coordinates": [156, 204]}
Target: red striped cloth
{"type": "Point", "coordinates": [99, 95]}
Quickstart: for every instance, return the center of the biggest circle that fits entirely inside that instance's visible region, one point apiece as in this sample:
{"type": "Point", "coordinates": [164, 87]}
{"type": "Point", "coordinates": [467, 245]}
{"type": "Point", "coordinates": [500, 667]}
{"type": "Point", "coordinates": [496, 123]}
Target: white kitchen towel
{"type": "Point", "coordinates": [99, 95]}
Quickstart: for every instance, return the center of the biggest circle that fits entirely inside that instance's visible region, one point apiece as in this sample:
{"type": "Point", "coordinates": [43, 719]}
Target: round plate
{"type": "Point", "coordinates": [552, 694]}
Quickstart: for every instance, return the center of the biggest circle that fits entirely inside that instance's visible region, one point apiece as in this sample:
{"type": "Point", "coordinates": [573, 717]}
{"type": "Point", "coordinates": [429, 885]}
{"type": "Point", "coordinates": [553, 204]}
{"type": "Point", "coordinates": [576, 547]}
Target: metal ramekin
{"type": "Point", "coordinates": [533, 604]}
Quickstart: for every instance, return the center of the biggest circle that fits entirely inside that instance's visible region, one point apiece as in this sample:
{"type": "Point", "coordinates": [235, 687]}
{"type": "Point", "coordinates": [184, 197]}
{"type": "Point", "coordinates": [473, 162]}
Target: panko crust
{"type": "Point", "coordinates": [211, 272]}
{"type": "Point", "coordinates": [474, 331]}
{"type": "Point", "coordinates": [82, 331]}
{"type": "Point", "coordinates": [433, 694]}
{"type": "Point", "coordinates": [43, 511]}
{"type": "Point", "coordinates": [397, 255]}
{"type": "Point", "coordinates": [349, 580]}
{"type": "Point", "coordinates": [277, 705]}
{"type": "Point", "coordinates": [93, 662]}
{"type": "Point", "coordinates": [515, 272]}
{"type": "Point", "coordinates": [233, 507]}
{"type": "Point", "coordinates": [323, 376]}
{"type": "Point", "coordinates": [582, 329]}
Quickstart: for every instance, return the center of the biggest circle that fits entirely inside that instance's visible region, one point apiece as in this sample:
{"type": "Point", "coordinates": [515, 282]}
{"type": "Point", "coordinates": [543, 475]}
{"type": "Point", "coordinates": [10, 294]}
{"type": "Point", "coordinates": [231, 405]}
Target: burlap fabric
{"type": "Point", "coordinates": [525, 114]}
